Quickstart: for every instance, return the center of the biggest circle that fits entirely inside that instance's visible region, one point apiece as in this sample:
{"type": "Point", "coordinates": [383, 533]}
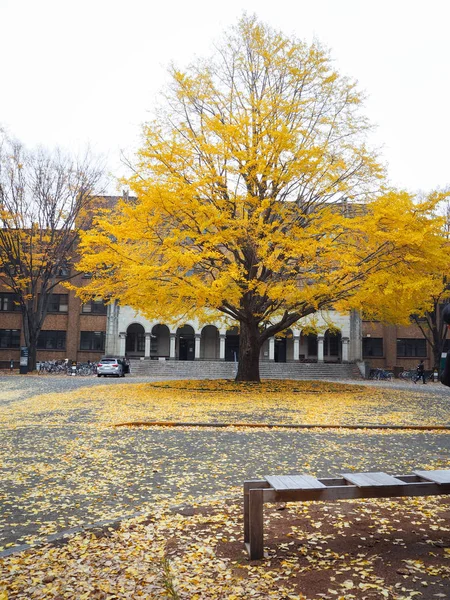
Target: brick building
{"type": "Point", "coordinates": [71, 329]}
{"type": "Point", "coordinates": [394, 347]}
{"type": "Point", "coordinates": [85, 332]}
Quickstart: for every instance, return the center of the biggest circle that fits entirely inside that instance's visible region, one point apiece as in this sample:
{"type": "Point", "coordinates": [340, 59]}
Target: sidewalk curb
{"type": "Point", "coordinates": [281, 426]}
{"type": "Point", "coordinates": [64, 535]}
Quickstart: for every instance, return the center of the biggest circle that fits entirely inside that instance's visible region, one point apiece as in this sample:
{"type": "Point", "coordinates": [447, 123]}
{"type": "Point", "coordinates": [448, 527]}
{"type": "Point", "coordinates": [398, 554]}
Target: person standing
{"type": "Point", "coordinates": [421, 371]}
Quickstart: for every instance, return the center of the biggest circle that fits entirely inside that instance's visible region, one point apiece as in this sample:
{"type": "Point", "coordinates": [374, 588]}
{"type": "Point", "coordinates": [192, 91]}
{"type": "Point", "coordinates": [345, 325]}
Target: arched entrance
{"type": "Point", "coordinates": [135, 342]}
{"type": "Point", "coordinates": [209, 343]}
{"type": "Point", "coordinates": [311, 346]}
{"type": "Point", "coordinates": [186, 343]}
{"type": "Point", "coordinates": [232, 345]}
{"type": "Point", "coordinates": [332, 346]}
{"type": "Point", "coordinates": [160, 342]}
{"type": "Point", "coordinates": [280, 349]}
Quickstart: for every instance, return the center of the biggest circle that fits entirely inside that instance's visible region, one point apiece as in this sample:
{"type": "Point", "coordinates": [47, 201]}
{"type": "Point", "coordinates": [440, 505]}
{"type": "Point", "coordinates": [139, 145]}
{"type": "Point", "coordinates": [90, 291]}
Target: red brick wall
{"type": "Point", "coordinates": [390, 333]}
{"type": "Point", "coordinates": [73, 322]}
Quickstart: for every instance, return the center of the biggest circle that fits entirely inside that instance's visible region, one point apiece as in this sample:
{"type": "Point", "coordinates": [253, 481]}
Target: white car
{"type": "Point", "coordinates": [109, 365]}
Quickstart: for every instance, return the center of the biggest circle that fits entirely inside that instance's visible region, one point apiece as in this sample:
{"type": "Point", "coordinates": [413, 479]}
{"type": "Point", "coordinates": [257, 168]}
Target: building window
{"type": "Point", "coordinates": [372, 346]}
{"type": "Point", "coordinates": [52, 340]}
{"type": "Point", "coordinates": [9, 338]}
{"type": "Point", "coordinates": [94, 307]}
{"type": "Point", "coordinates": [63, 270]}
{"type": "Point", "coordinates": [9, 302]}
{"type": "Point", "coordinates": [92, 340]}
{"type": "Point", "coordinates": [411, 347]}
{"type": "Point", "coordinates": [58, 303]}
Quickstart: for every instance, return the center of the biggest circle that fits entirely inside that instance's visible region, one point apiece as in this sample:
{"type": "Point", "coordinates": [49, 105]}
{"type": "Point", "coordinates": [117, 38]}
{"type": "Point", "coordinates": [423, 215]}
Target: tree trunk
{"type": "Point", "coordinates": [32, 356]}
{"type": "Point", "coordinates": [249, 349]}
{"type": "Point", "coordinates": [31, 333]}
{"type": "Point", "coordinates": [438, 348]}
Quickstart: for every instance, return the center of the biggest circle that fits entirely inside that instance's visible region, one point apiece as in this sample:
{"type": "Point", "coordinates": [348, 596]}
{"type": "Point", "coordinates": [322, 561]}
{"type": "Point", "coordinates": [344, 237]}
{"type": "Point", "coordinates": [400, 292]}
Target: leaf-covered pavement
{"type": "Point", "coordinates": [290, 402]}
{"type": "Point", "coordinates": [394, 550]}
{"type": "Point", "coordinates": [63, 465]}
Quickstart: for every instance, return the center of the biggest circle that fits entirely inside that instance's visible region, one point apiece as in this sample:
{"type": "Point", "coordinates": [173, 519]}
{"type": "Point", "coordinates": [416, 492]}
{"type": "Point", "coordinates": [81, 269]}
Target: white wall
{"type": "Point", "coordinates": [120, 318]}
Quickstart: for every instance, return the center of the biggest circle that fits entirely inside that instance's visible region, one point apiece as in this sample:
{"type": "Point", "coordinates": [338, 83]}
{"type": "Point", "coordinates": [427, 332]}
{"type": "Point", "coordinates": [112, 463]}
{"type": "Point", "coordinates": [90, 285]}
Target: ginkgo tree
{"type": "Point", "coordinates": [420, 299]}
{"type": "Point", "coordinates": [257, 198]}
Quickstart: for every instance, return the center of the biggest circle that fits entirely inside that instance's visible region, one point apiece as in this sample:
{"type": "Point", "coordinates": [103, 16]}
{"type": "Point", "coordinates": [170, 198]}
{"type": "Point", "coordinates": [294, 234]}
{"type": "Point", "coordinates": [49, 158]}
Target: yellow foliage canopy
{"type": "Point", "coordinates": [257, 197]}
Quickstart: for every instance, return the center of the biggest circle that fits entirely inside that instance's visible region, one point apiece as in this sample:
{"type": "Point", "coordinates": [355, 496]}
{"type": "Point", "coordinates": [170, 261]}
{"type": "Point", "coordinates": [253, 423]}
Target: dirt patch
{"type": "Point", "coordinates": [351, 550]}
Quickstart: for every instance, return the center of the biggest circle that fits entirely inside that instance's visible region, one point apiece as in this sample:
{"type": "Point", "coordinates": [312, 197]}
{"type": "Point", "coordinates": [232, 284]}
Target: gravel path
{"type": "Point", "coordinates": [55, 478]}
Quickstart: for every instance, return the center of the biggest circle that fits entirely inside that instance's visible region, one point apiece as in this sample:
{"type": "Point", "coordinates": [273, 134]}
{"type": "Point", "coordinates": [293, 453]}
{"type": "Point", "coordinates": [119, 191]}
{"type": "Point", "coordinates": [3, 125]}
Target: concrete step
{"type": "Point", "coordinates": [206, 369]}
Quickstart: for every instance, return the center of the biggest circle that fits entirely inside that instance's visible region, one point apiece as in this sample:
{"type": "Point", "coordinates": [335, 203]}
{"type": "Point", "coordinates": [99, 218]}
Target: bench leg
{"type": "Point", "coordinates": [246, 515]}
{"type": "Point", "coordinates": [255, 524]}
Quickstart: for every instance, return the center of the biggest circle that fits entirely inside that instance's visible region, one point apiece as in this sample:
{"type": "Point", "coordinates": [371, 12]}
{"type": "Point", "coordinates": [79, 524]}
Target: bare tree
{"type": "Point", "coordinates": [45, 199]}
{"type": "Point", "coordinates": [432, 327]}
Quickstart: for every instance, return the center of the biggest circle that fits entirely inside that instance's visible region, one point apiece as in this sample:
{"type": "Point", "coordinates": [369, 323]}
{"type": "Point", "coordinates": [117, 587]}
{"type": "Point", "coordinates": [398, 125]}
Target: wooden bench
{"type": "Point", "coordinates": [301, 488]}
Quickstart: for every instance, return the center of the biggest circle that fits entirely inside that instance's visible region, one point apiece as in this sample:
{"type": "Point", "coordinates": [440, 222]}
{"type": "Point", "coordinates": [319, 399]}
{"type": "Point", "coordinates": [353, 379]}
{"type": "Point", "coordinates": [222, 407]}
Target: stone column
{"type": "Point", "coordinates": [355, 350]}
{"type": "Point", "coordinates": [197, 346]}
{"type": "Point", "coordinates": [320, 348]}
{"type": "Point", "coordinates": [148, 339]}
{"type": "Point", "coordinates": [272, 349]}
{"type": "Point", "coordinates": [222, 338]}
{"type": "Point", "coordinates": [172, 345]}
{"type": "Point", "coordinates": [345, 348]}
{"type": "Point", "coordinates": [296, 356]}
{"type": "Point", "coordinates": [112, 329]}
{"type": "Point", "coordinates": [122, 342]}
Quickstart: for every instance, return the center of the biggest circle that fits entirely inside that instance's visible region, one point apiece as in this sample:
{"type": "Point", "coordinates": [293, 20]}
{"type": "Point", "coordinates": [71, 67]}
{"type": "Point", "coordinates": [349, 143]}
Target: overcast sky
{"type": "Point", "coordinates": [78, 72]}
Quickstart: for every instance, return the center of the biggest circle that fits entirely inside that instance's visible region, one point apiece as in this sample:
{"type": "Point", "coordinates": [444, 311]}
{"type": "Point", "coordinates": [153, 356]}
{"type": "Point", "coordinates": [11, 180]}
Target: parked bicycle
{"type": "Point", "coordinates": [407, 374]}
{"type": "Point", "coordinates": [381, 374]}
{"type": "Point", "coordinates": [55, 367]}
{"type": "Point", "coordinates": [62, 367]}
{"type": "Point", "coordinates": [84, 369]}
{"type": "Point", "coordinates": [412, 375]}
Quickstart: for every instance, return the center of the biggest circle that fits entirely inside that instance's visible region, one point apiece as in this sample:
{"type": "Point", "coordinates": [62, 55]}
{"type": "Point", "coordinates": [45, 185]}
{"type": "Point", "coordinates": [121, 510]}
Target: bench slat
{"type": "Point", "coordinates": [377, 479]}
{"type": "Point", "coordinates": [293, 482]}
{"type": "Point", "coordinates": [439, 476]}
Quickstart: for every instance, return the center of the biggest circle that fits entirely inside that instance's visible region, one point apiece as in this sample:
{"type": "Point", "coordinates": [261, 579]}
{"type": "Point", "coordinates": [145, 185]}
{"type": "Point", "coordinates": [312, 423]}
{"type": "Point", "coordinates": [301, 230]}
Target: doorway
{"type": "Point", "coordinates": [232, 345]}
{"type": "Point", "coordinates": [186, 343]}
{"type": "Point", "coordinates": [135, 342]}
{"type": "Point", "coordinates": [280, 349]}
{"type": "Point", "coordinates": [332, 344]}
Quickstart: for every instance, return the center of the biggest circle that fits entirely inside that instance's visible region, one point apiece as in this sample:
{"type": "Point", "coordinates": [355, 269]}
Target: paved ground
{"type": "Point", "coordinates": [59, 477]}
{"type": "Point", "coordinates": [31, 385]}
